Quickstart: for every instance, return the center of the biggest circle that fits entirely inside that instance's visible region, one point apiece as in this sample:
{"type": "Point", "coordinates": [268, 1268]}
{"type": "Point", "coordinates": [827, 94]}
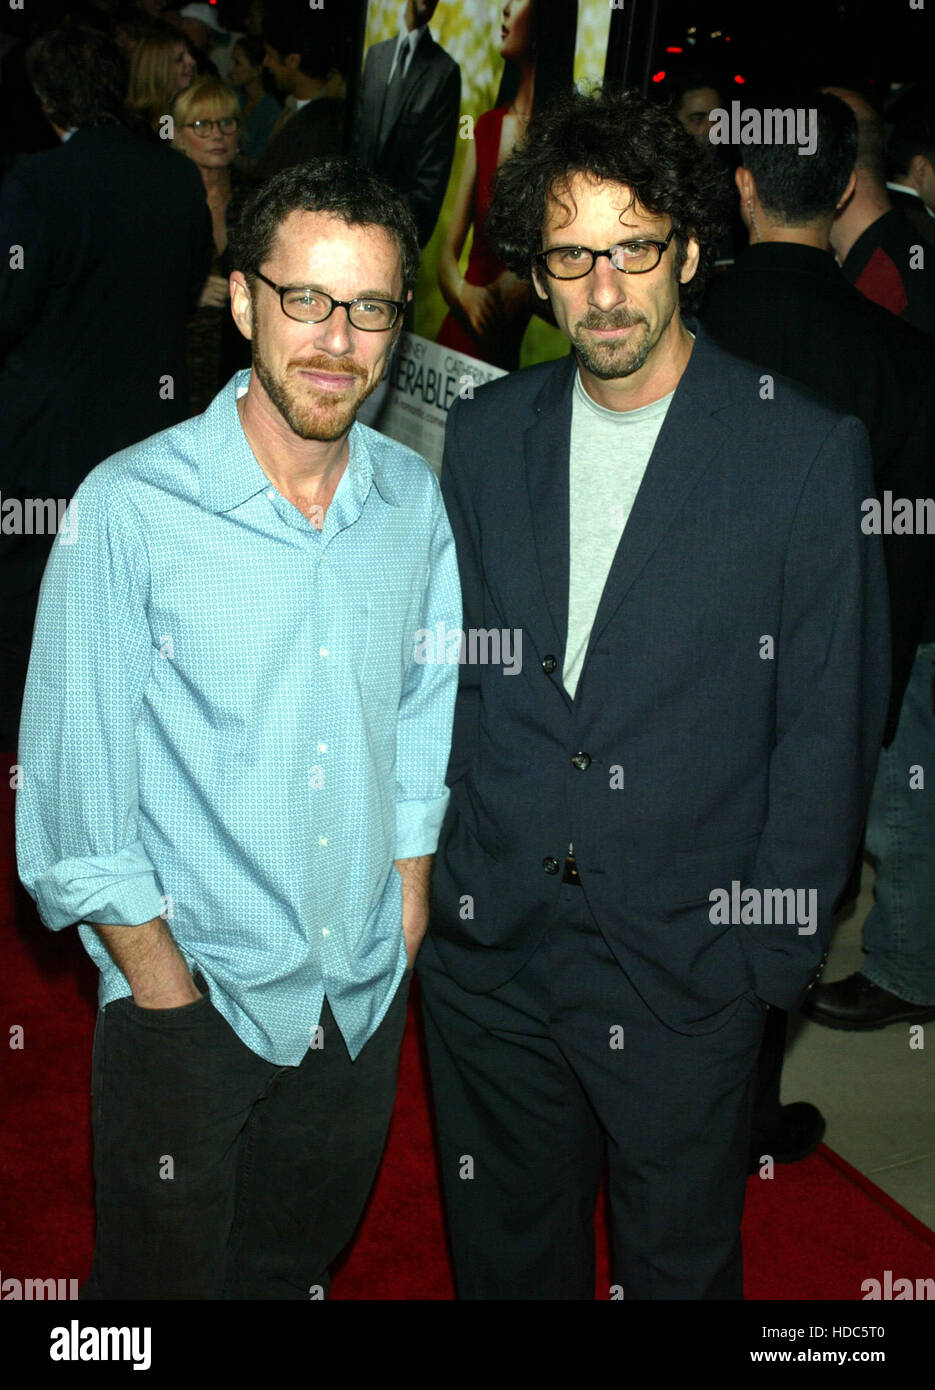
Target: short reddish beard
{"type": "Point", "coordinates": [342, 411]}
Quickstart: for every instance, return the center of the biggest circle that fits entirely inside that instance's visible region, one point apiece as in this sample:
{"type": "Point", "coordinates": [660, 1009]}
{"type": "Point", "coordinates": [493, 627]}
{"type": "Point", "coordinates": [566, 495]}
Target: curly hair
{"type": "Point", "coordinates": [620, 138]}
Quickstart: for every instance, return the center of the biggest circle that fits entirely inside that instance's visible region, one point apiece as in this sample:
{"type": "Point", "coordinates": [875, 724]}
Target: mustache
{"type": "Point", "coordinates": [618, 319]}
{"type": "Point", "coordinates": [343, 365]}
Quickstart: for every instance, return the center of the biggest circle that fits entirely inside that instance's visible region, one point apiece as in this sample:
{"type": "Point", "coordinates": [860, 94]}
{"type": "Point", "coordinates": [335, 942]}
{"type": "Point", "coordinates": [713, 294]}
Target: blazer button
{"type": "Point", "coordinates": [551, 865]}
{"type": "Point", "coordinates": [549, 664]}
{"type": "Point", "coordinates": [581, 761]}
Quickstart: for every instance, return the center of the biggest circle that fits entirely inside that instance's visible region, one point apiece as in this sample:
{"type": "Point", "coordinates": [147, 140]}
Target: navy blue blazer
{"type": "Point", "coordinates": [730, 709]}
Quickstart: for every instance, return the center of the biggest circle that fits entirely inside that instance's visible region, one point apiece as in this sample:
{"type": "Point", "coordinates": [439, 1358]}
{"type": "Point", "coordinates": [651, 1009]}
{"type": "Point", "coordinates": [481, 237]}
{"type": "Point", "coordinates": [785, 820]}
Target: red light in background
{"type": "Point", "coordinates": [674, 50]}
{"type": "Point", "coordinates": [738, 78]}
{"type": "Point", "coordinates": [658, 76]}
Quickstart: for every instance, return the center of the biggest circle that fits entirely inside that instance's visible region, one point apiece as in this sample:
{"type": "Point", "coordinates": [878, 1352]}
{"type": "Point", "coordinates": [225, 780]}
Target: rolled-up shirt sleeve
{"type": "Point", "coordinates": [426, 709]}
{"type": "Point", "coordinates": [78, 841]}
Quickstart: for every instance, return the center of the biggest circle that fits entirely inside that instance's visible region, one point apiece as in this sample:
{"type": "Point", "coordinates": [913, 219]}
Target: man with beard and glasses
{"type": "Point", "coordinates": [649, 822]}
{"type": "Point", "coordinates": [234, 766]}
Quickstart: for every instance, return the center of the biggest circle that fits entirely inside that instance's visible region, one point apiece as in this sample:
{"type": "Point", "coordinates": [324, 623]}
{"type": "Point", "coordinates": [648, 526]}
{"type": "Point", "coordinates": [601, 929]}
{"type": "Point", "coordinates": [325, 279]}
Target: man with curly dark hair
{"type": "Point", "coordinates": [651, 819]}
{"type": "Point", "coordinates": [621, 140]}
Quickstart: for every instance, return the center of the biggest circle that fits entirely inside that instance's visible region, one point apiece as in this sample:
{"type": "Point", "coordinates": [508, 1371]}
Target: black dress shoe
{"type": "Point", "coordinates": [797, 1132]}
{"type": "Point", "coordinates": [858, 1004]}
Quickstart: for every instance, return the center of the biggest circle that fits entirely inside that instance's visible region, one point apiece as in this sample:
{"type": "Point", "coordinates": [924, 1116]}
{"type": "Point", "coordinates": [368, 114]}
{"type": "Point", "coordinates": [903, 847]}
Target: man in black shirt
{"type": "Point", "coordinates": [877, 247]}
{"type": "Point", "coordinates": [786, 306]}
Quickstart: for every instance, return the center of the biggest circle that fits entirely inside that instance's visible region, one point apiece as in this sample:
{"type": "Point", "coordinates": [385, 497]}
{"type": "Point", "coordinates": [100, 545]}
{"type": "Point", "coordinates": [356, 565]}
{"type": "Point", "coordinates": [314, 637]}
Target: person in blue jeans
{"type": "Point", "coordinates": [897, 981]}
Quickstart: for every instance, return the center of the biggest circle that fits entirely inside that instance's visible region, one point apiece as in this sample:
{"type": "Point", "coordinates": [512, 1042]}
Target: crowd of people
{"type": "Point", "coordinates": [163, 129]}
{"type": "Point", "coordinates": [752, 367]}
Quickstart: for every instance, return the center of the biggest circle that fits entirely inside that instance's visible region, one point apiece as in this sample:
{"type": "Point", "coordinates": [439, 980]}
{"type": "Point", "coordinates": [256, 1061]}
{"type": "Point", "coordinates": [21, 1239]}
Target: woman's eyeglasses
{"type": "Point", "coordinates": [202, 129]}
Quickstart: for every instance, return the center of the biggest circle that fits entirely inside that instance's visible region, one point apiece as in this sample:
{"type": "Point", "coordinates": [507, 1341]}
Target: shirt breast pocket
{"type": "Point", "coordinates": [391, 620]}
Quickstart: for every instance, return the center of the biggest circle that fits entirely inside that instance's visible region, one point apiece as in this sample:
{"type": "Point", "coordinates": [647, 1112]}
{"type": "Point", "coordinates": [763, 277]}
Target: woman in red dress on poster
{"type": "Point", "coordinates": [490, 307]}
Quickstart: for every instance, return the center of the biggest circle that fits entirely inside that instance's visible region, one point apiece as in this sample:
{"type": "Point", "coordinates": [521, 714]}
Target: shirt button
{"type": "Point", "coordinates": [271, 494]}
{"type": "Point", "coordinates": [322, 651]}
{"type": "Point", "coordinates": [581, 761]}
{"type": "Point", "coordinates": [322, 747]}
{"type": "Point", "coordinates": [323, 839]}
{"type": "Point", "coordinates": [549, 664]}
{"type": "Point", "coordinates": [325, 931]}
{"type": "Point", "coordinates": [550, 865]}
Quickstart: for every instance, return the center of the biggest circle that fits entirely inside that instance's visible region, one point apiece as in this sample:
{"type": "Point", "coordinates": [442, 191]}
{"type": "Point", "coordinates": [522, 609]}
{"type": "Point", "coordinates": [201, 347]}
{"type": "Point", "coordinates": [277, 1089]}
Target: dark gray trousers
{"type": "Point", "coordinates": [539, 1082]}
{"type": "Point", "coordinates": [220, 1175]}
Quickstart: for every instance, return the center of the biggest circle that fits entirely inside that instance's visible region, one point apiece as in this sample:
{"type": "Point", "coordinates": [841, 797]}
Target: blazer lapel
{"type": "Point", "coordinates": [398, 93]}
{"type": "Point", "coordinates": [546, 445]}
{"type": "Point", "coordinates": [687, 442]}
{"type": "Point", "coordinates": [375, 97]}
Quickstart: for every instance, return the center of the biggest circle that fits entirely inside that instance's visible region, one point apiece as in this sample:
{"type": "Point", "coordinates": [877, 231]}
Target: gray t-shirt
{"type": "Point", "coordinates": [609, 453]}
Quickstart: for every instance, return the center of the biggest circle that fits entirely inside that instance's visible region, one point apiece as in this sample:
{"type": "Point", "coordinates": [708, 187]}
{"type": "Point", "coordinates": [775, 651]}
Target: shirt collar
{"type": "Point", "coordinates": [411, 36]}
{"type": "Point", "coordinates": [334, 87]}
{"type": "Point", "coordinates": [641, 412]}
{"type": "Point", "coordinates": [228, 472]}
{"type": "Point", "coordinates": [365, 467]}
{"type": "Point", "coordinates": [912, 192]}
{"type": "Point", "coordinates": [788, 255]}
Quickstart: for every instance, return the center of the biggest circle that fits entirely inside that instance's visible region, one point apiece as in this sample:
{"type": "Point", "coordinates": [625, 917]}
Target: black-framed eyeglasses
{"type": "Point", "coordinates": [226, 125]}
{"type": "Point", "coordinates": [307, 305]}
{"type": "Point", "coordinates": [574, 262]}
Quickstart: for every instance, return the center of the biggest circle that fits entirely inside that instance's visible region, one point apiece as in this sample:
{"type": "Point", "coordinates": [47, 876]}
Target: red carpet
{"type": "Point", "coordinates": [815, 1231]}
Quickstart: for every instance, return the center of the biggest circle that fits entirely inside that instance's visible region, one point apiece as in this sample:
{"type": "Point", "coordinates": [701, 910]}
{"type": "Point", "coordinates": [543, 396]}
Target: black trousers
{"type": "Point", "coordinates": [767, 1108]}
{"type": "Point", "coordinates": [539, 1082]}
{"type": "Point", "coordinates": [219, 1174]}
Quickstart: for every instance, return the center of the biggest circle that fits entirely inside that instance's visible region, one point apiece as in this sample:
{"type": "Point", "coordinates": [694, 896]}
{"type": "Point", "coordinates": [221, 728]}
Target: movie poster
{"type": "Point", "coordinates": [437, 113]}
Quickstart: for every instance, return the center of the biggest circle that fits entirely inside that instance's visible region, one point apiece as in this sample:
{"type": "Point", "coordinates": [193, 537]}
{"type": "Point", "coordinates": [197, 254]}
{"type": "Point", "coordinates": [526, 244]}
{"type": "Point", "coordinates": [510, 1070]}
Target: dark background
{"type": "Point", "coordinates": [852, 43]}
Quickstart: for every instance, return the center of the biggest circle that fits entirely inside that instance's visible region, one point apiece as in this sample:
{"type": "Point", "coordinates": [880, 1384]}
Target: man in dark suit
{"type": "Point", "coordinates": [786, 306]}
{"type": "Point", "coordinates": [910, 166]}
{"type": "Point", "coordinates": [654, 810]}
{"type": "Point", "coordinates": [115, 239]}
{"type": "Point", "coordinates": [300, 51]}
{"type": "Point", "coordinates": [407, 117]}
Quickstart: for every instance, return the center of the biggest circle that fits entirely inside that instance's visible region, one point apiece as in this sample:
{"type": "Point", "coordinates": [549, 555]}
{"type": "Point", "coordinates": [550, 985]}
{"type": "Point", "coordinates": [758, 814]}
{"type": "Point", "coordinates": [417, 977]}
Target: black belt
{"type": "Point", "coordinates": [571, 874]}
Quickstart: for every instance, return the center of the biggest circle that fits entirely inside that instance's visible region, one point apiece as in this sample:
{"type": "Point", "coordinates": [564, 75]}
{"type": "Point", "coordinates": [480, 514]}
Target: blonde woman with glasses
{"type": "Point", "coordinates": [206, 126]}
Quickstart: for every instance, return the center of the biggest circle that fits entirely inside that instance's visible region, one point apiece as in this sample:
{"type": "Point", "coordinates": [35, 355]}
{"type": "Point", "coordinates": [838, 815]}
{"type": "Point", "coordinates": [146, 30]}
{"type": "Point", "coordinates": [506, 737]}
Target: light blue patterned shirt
{"type": "Point", "coordinates": [225, 723]}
